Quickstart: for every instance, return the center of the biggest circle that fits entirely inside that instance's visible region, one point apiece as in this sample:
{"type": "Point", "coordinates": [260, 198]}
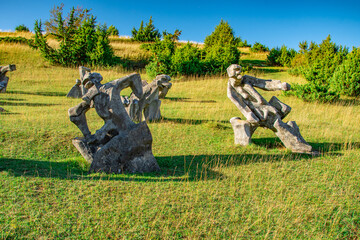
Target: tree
{"type": "Point", "coordinates": [79, 15]}
{"type": "Point", "coordinates": [146, 34]}
{"type": "Point", "coordinates": [174, 36]}
{"type": "Point", "coordinates": [22, 28]}
{"type": "Point", "coordinates": [258, 47]}
{"type": "Point", "coordinates": [220, 48]}
{"type": "Point", "coordinates": [79, 45]}
{"type": "Point", "coordinates": [112, 30]}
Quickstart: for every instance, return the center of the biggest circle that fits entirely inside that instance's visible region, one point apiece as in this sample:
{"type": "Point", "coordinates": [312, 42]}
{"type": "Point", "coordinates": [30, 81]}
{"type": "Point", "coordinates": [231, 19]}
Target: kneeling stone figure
{"type": "Point", "coordinates": [150, 102]}
{"type": "Point", "coordinates": [260, 113]}
{"type": "Point", "coordinates": [119, 145]}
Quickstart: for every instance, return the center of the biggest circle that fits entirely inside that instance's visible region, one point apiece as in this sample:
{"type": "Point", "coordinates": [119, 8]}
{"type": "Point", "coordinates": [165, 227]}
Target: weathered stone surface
{"type": "Point", "coordinates": [260, 113]}
{"type": "Point", "coordinates": [78, 90]}
{"type": "Point", "coordinates": [119, 145]}
{"type": "Point", "coordinates": [149, 104]}
{"type": "Point", "coordinates": [3, 78]}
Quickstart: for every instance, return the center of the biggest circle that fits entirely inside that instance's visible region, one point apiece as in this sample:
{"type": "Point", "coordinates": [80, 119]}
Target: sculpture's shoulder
{"type": "Point", "coordinates": [247, 79]}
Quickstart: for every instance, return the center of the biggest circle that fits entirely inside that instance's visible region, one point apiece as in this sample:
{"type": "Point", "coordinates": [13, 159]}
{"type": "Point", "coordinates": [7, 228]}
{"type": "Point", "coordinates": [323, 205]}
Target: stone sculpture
{"type": "Point", "coordinates": [260, 113]}
{"type": "Point", "coordinates": [3, 78]}
{"type": "Point", "coordinates": [78, 90]}
{"type": "Point", "coordinates": [119, 145]}
{"type": "Point", "coordinates": [150, 103]}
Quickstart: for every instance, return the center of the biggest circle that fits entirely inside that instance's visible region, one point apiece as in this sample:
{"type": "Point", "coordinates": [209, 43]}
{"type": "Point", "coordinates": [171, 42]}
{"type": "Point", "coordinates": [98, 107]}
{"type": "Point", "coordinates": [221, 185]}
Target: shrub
{"type": "Point", "coordinates": [346, 78]}
{"type": "Point", "coordinates": [162, 52]}
{"type": "Point", "coordinates": [258, 47]}
{"type": "Point", "coordinates": [146, 34]}
{"type": "Point", "coordinates": [318, 68]}
{"type": "Point", "coordinates": [22, 28]}
{"type": "Point", "coordinates": [274, 57]}
{"type": "Point", "coordinates": [86, 44]}
{"type": "Point", "coordinates": [243, 43]}
{"type": "Point", "coordinates": [187, 60]}
{"type": "Point", "coordinates": [281, 56]}
{"type": "Point", "coordinates": [20, 40]}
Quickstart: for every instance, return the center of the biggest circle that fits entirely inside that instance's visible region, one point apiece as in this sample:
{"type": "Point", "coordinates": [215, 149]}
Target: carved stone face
{"type": "Point", "coordinates": [90, 79]}
{"type": "Point", "coordinates": [163, 80]}
{"type": "Point", "coordinates": [234, 71]}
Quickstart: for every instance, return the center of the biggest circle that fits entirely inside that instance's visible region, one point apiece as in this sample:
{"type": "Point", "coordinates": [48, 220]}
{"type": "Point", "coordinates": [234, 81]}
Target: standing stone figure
{"type": "Point", "coordinates": [78, 90]}
{"type": "Point", "coordinates": [260, 113]}
{"type": "Point", "coordinates": [150, 103]}
{"type": "Point", "coordinates": [119, 145]}
{"type": "Point", "coordinates": [3, 78]}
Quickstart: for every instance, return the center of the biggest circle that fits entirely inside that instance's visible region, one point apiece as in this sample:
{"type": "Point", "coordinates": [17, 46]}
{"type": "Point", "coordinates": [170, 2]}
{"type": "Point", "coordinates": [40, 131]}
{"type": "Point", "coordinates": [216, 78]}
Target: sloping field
{"type": "Point", "coordinates": [207, 188]}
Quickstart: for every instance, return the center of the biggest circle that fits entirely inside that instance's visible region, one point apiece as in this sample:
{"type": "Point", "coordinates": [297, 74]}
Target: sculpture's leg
{"type": "Point", "coordinates": [163, 92]}
{"type": "Point", "coordinates": [289, 134]}
{"type": "Point", "coordinates": [282, 108]}
{"type": "Point", "coordinates": [3, 84]}
{"type": "Point", "coordinates": [152, 111]}
{"type": "Point", "coordinates": [100, 135]}
{"type": "Point", "coordinates": [243, 131]}
{"type": "Point", "coordinates": [77, 116]}
{"type": "Point", "coordinates": [133, 110]}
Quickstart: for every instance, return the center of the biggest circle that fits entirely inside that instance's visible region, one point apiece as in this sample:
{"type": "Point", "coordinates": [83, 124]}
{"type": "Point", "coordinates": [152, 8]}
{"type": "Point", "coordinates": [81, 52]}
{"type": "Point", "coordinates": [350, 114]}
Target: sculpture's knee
{"type": "Point", "coordinates": [78, 110]}
{"type": "Point", "coordinates": [282, 108]}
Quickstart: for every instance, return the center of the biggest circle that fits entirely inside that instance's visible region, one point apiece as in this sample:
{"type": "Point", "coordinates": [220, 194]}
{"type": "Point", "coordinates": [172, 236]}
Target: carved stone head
{"type": "Point", "coordinates": [234, 70]}
{"type": "Point", "coordinates": [91, 79]}
{"type": "Point", "coordinates": [163, 80]}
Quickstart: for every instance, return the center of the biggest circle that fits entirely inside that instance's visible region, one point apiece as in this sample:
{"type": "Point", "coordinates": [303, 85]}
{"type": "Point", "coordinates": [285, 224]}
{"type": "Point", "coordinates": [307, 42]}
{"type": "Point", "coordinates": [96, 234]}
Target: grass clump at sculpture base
{"type": "Point", "coordinates": [207, 187]}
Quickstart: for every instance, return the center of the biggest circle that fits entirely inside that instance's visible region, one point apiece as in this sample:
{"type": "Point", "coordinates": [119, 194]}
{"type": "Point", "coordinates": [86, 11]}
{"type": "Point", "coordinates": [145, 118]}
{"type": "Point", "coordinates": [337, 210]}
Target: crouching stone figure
{"type": "Point", "coordinates": [149, 103]}
{"type": "Point", "coordinates": [78, 90]}
{"type": "Point", "coordinates": [260, 113]}
{"type": "Point", "coordinates": [119, 145]}
{"type": "Point", "coordinates": [3, 78]}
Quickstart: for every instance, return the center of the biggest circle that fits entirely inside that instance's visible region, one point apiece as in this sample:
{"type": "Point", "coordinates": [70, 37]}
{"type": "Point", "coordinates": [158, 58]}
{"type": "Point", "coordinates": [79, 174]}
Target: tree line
{"type": "Point", "coordinates": [330, 70]}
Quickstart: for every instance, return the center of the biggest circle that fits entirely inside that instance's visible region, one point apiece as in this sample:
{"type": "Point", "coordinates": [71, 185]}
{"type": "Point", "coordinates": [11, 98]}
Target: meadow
{"type": "Point", "coordinates": [207, 186]}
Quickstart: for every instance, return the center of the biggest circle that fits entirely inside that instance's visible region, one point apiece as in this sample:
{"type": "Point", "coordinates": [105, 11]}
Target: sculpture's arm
{"type": "Point", "coordinates": [239, 103]}
{"type": "Point", "coordinates": [7, 68]}
{"type": "Point", "coordinates": [268, 85]}
{"type": "Point", "coordinates": [133, 81]}
{"type": "Point", "coordinates": [253, 93]}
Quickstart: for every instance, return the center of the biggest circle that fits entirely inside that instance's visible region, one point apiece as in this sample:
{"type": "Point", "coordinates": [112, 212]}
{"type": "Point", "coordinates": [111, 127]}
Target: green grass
{"type": "Point", "coordinates": [207, 187]}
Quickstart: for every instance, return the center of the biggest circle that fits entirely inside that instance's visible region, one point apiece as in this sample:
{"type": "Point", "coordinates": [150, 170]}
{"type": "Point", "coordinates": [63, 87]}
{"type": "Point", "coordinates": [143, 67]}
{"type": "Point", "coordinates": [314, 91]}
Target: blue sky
{"type": "Point", "coordinates": [273, 23]}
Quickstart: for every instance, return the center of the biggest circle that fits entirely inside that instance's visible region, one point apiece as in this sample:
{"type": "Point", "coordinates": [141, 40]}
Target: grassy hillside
{"type": "Point", "coordinates": [207, 188]}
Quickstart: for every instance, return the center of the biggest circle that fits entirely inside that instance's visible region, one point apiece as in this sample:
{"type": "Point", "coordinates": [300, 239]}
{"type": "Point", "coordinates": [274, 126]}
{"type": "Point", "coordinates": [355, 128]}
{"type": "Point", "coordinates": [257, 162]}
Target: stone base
{"type": "Point", "coordinates": [289, 134]}
{"type": "Point", "coordinates": [242, 131]}
{"type": "Point", "coordinates": [129, 151]}
{"type": "Point", "coordinates": [152, 111]}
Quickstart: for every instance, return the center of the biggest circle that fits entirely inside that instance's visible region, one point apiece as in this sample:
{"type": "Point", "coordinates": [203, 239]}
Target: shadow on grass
{"type": "Point", "coordinates": [268, 70]}
{"type": "Point", "coordinates": [8, 113]}
{"type": "Point", "coordinates": [346, 102]}
{"type": "Point", "coordinates": [173, 168]}
{"type": "Point", "coordinates": [324, 147]}
{"type": "Point", "coordinates": [176, 99]}
{"type": "Point", "coordinates": [5, 103]}
{"type": "Point", "coordinates": [13, 99]}
{"type": "Point", "coordinates": [254, 62]}
{"type": "Point", "coordinates": [189, 121]}
{"type": "Point", "coordinates": [48, 94]}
